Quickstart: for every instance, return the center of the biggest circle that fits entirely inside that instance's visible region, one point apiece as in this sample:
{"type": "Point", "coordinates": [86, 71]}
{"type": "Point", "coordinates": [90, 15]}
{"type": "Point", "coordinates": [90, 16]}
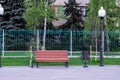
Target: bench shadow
{"type": "Point", "coordinates": [51, 67]}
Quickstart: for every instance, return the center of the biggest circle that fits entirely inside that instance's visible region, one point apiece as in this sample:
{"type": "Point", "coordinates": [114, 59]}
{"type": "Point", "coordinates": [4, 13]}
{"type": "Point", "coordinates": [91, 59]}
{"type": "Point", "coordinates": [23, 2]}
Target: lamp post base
{"type": "Point", "coordinates": [85, 66]}
{"type": "Point", "coordinates": [101, 65]}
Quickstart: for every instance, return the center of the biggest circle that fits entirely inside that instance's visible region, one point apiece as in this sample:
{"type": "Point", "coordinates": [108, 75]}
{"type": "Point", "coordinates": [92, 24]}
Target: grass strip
{"type": "Point", "coordinates": [72, 61]}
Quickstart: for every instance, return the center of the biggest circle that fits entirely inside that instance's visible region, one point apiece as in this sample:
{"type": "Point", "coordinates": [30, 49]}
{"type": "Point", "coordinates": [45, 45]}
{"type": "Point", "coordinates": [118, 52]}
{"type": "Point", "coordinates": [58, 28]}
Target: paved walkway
{"type": "Point", "coordinates": [60, 73]}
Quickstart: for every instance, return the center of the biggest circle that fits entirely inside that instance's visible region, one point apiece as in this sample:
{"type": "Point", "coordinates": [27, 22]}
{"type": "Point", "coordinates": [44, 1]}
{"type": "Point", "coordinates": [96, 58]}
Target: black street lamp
{"type": "Point", "coordinates": [101, 14]}
{"type": "Point", "coordinates": [1, 14]}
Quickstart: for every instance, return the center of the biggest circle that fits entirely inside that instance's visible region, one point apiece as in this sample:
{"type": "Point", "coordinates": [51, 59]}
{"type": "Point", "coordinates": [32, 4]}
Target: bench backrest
{"type": "Point", "coordinates": [51, 53]}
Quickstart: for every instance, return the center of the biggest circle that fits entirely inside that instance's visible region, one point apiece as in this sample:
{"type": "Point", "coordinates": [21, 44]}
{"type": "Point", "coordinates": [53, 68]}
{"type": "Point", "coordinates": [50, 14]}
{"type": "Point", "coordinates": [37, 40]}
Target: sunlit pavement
{"type": "Point", "coordinates": [60, 73]}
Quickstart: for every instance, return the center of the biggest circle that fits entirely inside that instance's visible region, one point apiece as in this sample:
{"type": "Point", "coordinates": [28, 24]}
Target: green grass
{"type": "Point", "coordinates": [72, 61]}
{"type": "Point", "coordinates": [15, 61]}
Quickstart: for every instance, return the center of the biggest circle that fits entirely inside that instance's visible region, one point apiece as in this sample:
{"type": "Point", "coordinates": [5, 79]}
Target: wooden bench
{"type": "Point", "coordinates": [51, 56]}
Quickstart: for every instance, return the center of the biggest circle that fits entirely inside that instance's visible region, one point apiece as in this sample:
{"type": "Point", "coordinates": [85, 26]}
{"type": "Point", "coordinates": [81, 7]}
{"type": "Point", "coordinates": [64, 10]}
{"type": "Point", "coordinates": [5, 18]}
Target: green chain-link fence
{"type": "Point", "coordinates": [17, 42]}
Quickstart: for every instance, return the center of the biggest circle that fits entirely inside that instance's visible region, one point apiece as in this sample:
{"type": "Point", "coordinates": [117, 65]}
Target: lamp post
{"type": "Point", "coordinates": [1, 13]}
{"type": "Point", "coordinates": [101, 14]}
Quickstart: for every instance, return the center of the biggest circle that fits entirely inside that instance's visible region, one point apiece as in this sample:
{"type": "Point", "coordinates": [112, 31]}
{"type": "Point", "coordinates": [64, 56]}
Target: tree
{"type": "Point", "coordinates": [12, 18]}
{"type": "Point", "coordinates": [35, 14]}
{"type": "Point", "coordinates": [74, 13]}
{"type": "Point", "coordinates": [39, 15]}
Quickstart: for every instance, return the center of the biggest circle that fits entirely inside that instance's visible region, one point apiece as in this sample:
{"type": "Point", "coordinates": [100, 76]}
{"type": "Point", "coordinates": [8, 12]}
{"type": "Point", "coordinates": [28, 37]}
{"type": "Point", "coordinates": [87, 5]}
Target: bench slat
{"type": "Point", "coordinates": [51, 59]}
{"type": "Point", "coordinates": [51, 51]}
{"type": "Point", "coordinates": [54, 55]}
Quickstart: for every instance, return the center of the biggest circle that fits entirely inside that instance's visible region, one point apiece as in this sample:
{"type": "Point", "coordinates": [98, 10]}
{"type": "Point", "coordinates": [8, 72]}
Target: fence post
{"type": "Point", "coordinates": [0, 48]}
{"type": "Point", "coordinates": [70, 42]}
{"type": "Point", "coordinates": [3, 43]}
{"type": "Point", "coordinates": [38, 47]}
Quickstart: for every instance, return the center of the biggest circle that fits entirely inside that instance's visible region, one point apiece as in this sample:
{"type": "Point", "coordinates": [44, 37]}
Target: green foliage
{"type": "Point", "coordinates": [60, 13]}
{"type": "Point", "coordinates": [19, 38]}
{"type": "Point", "coordinates": [92, 14]}
{"type": "Point", "coordinates": [112, 19]}
{"type": "Point", "coordinates": [35, 13]}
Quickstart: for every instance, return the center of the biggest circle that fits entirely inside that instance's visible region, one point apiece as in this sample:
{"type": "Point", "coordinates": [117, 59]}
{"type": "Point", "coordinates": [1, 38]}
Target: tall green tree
{"type": "Point", "coordinates": [36, 12]}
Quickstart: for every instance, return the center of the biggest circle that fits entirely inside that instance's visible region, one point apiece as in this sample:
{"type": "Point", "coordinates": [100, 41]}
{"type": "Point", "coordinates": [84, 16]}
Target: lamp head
{"type": "Point", "coordinates": [101, 12]}
{"type": "Point", "coordinates": [1, 10]}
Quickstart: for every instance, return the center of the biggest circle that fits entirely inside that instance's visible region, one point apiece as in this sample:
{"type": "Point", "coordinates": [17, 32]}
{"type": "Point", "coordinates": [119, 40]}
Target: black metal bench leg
{"type": "Point", "coordinates": [85, 64]}
{"type": "Point", "coordinates": [37, 64]}
{"type": "Point", "coordinates": [66, 64]}
{"type": "Point", "coordinates": [32, 64]}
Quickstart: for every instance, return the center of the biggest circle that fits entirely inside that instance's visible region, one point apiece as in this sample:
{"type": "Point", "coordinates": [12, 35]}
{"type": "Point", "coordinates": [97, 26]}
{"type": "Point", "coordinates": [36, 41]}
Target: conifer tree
{"type": "Point", "coordinates": [12, 18]}
{"type": "Point", "coordinates": [74, 13]}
